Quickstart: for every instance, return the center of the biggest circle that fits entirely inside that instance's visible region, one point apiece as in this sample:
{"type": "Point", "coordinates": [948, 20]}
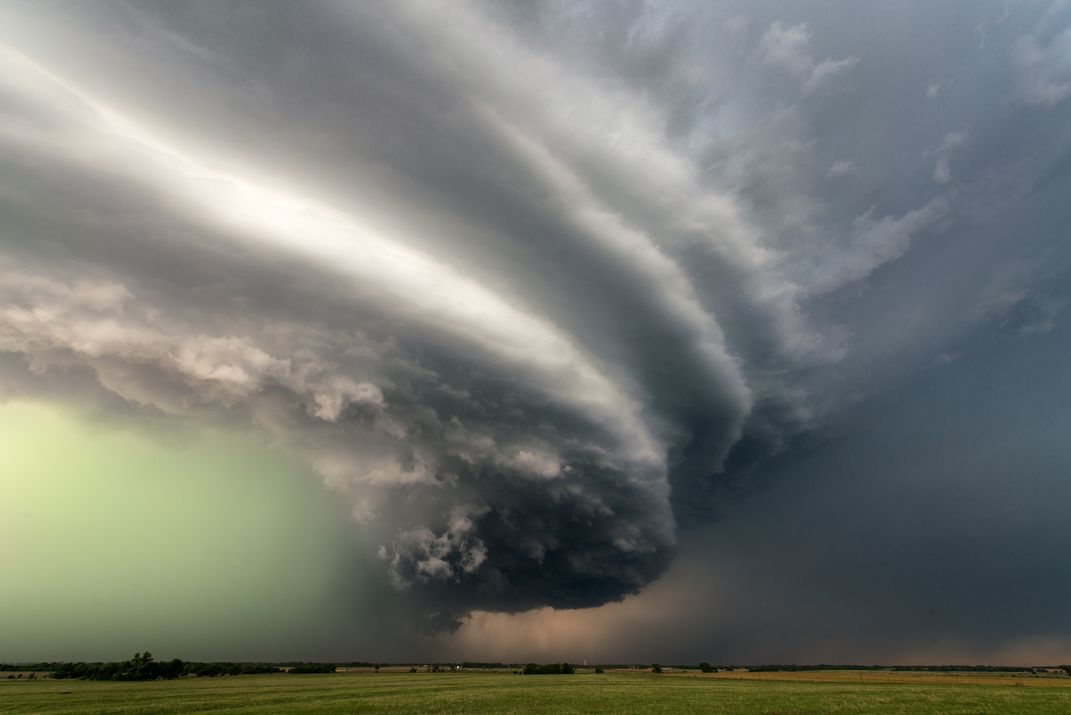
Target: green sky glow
{"type": "Point", "coordinates": [212, 546]}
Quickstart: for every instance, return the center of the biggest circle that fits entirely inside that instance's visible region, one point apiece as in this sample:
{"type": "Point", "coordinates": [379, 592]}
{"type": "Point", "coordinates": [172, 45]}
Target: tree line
{"type": "Point", "coordinates": [144, 667]}
{"type": "Point", "coordinates": [549, 669]}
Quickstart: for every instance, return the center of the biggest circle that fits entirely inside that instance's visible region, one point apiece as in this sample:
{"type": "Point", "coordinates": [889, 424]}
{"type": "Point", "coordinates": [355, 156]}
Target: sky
{"type": "Point", "coordinates": [610, 331]}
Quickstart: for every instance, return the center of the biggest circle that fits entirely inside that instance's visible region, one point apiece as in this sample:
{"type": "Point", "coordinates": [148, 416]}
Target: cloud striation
{"type": "Point", "coordinates": [529, 303]}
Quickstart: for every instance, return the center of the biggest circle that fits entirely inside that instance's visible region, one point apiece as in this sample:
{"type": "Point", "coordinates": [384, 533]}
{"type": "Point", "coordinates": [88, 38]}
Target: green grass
{"type": "Point", "coordinates": [503, 692]}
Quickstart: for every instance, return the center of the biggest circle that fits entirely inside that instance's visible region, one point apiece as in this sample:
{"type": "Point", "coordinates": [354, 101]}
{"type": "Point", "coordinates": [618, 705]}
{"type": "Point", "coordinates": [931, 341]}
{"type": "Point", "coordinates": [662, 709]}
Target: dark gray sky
{"type": "Point", "coordinates": [621, 330]}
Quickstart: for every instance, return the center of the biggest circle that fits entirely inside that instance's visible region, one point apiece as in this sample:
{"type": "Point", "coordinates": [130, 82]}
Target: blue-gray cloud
{"type": "Point", "coordinates": [533, 286]}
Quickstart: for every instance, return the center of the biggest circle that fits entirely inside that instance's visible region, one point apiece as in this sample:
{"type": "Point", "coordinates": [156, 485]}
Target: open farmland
{"type": "Point", "coordinates": [585, 692]}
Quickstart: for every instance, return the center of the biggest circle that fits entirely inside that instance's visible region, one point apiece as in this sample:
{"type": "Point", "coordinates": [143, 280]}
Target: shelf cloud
{"type": "Point", "coordinates": [532, 287]}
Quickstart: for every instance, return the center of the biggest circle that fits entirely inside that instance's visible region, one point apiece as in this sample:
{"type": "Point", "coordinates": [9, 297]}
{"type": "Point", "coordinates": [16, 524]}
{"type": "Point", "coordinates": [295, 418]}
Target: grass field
{"type": "Point", "coordinates": [615, 692]}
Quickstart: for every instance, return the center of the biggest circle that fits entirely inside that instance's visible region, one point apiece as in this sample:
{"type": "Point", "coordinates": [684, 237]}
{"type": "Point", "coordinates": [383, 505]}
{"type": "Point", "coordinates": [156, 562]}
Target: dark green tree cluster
{"type": "Point", "coordinates": [549, 669]}
{"type": "Point", "coordinates": [213, 670]}
{"type": "Point", "coordinates": [140, 667]}
{"type": "Point", "coordinates": [143, 667]}
{"type": "Point", "coordinates": [656, 668]}
{"type": "Point", "coordinates": [305, 668]}
{"type": "Point", "coordinates": [706, 667]}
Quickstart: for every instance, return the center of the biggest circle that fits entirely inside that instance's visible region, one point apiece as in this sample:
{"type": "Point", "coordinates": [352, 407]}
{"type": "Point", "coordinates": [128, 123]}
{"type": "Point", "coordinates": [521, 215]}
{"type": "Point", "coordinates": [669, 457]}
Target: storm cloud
{"type": "Point", "coordinates": [532, 287]}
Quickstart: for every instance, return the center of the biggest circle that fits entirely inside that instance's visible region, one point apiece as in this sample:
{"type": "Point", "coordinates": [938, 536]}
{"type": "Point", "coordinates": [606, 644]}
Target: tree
{"type": "Point", "coordinates": [549, 669]}
{"type": "Point", "coordinates": [172, 669]}
{"type": "Point", "coordinates": [656, 668]}
{"type": "Point", "coordinates": [598, 669]}
{"type": "Point", "coordinates": [706, 667]}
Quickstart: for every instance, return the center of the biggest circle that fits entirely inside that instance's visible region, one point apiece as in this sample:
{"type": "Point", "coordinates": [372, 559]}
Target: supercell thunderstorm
{"type": "Point", "coordinates": [527, 315]}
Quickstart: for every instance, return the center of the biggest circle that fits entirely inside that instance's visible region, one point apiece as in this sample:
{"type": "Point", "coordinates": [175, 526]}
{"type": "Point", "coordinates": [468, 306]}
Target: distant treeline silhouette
{"type": "Point", "coordinates": [143, 667]}
{"type": "Point", "coordinates": [313, 668]}
{"type": "Point", "coordinates": [548, 669]}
